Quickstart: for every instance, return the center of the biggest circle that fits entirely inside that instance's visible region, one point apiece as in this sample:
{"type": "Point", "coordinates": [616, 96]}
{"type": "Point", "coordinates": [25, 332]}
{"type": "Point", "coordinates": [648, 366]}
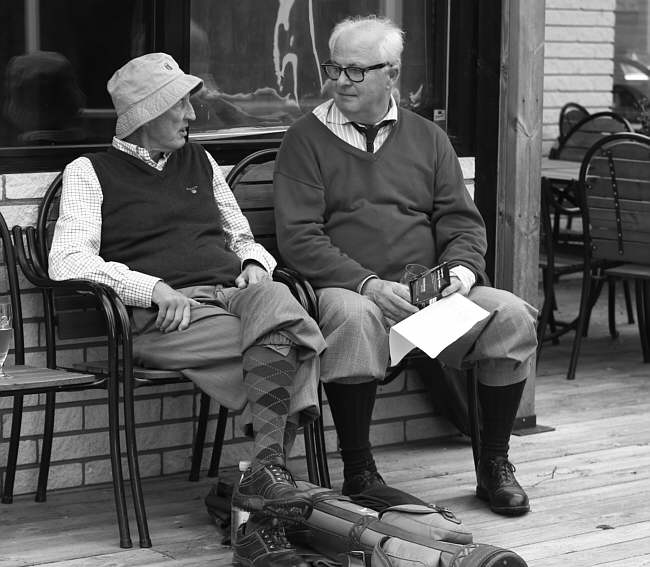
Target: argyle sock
{"type": "Point", "coordinates": [351, 406]}
{"type": "Point", "coordinates": [499, 406]}
{"type": "Point", "coordinates": [268, 375]}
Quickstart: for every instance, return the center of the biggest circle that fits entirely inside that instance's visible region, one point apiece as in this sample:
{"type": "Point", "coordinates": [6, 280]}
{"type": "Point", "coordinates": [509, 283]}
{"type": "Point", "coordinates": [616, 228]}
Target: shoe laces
{"type": "Point", "coordinates": [274, 538]}
{"type": "Point", "coordinates": [502, 470]}
{"type": "Point", "coordinates": [369, 478]}
{"type": "Point", "coordinates": [281, 474]}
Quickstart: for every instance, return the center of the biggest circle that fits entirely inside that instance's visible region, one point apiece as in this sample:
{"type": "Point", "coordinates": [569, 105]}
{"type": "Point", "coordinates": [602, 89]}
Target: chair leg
{"type": "Point", "coordinates": [642, 288]}
{"type": "Point", "coordinates": [628, 302]}
{"type": "Point", "coordinates": [321, 447]}
{"type": "Point", "coordinates": [586, 303]}
{"type": "Point", "coordinates": [46, 450]}
{"type": "Point", "coordinates": [473, 411]}
{"type": "Point", "coordinates": [217, 447]}
{"type": "Point", "coordinates": [611, 308]}
{"type": "Point", "coordinates": [547, 306]}
{"type": "Point", "coordinates": [12, 453]}
{"type": "Point", "coordinates": [134, 467]}
{"type": "Point", "coordinates": [199, 438]}
{"type": "Point", "coordinates": [310, 453]}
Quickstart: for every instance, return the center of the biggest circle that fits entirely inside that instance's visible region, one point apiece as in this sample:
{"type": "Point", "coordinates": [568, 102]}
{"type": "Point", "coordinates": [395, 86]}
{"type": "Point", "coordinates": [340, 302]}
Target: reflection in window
{"type": "Point", "coordinates": [55, 59]}
{"type": "Point", "coordinates": [632, 62]}
{"type": "Point", "coordinates": [260, 60]}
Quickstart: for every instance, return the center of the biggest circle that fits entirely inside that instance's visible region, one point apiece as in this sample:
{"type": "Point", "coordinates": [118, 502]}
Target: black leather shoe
{"type": "Point", "coordinates": [264, 545]}
{"type": "Point", "coordinates": [272, 490]}
{"type": "Point", "coordinates": [498, 486]}
{"type": "Point", "coordinates": [362, 482]}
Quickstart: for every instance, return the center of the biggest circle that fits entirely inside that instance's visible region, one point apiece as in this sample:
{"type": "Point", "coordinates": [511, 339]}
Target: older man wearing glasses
{"type": "Point", "coordinates": [362, 188]}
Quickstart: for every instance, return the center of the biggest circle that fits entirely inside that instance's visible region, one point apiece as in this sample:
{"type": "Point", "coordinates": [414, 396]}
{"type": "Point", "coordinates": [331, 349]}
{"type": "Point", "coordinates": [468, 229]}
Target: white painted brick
{"type": "Point", "coordinates": [64, 476]}
{"type": "Point", "coordinates": [401, 406]}
{"type": "Point", "coordinates": [27, 451]}
{"type": "Point", "coordinates": [25, 481]}
{"type": "Point", "coordinates": [590, 100]}
{"type": "Point", "coordinates": [178, 461]}
{"type": "Point", "coordinates": [428, 428]}
{"type": "Point", "coordinates": [578, 83]}
{"type": "Point", "coordinates": [28, 185]}
{"type": "Point", "coordinates": [82, 395]}
{"type": "Point", "coordinates": [177, 407]}
{"type": "Point", "coordinates": [159, 436]}
{"type": "Point", "coordinates": [95, 416]}
{"type": "Point", "coordinates": [35, 358]}
{"type": "Point", "coordinates": [570, 50]}
{"type": "Point", "coordinates": [387, 433]}
{"type": "Point", "coordinates": [21, 214]}
{"type": "Point", "coordinates": [30, 400]}
{"type": "Point", "coordinates": [32, 334]}
{"type": "Point", "coordinates": [579, 18]}
{"type": "Point", "coordinates": [554, 66]}
{"type": "Point", "coordinates": [579, 34]}
{"type": "Point", "coordinates": [32, 305]}
{"type": "Point", "coordinates": [585, 5]}
{"type": "Point", "coordinates": [150, 466]}
{"type": "Point", "coordinates": [397, 385]}
{"type": "Point", "coordinates": [234, 452]}
{"type": "Point", "coordinates": [65, 419]}
{"type": "Point", "coordinates": [75, 447]}
{"type": "Point", "coordinates": [147, 411]}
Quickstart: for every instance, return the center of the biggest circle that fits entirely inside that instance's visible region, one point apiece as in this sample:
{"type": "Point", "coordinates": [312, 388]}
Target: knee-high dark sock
{"type": "Point", "coordinates": [268, 375]}
{"type": "Point", "coordinates": [351, 406]}
{"type": "Point", "coordinates": [499, 406]}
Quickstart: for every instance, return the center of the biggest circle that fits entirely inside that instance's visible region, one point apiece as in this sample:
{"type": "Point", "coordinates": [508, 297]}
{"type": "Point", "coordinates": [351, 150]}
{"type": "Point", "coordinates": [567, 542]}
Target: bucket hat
{"type": "Point", "coordinates": [145, 88]}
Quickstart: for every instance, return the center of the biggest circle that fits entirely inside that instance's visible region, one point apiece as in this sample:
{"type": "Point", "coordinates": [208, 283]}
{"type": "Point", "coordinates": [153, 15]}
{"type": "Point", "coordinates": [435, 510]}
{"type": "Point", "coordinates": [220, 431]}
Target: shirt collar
{"type": "Point", "coordinates": [140, 153]}
{"type": "Point", "coordinates": [335, 116]}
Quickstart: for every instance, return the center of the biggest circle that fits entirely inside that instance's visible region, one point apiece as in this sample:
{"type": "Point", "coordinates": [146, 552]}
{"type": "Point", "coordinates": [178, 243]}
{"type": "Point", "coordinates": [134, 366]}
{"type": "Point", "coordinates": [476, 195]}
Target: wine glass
{"type": "Point", "coordinates": [5, 334]}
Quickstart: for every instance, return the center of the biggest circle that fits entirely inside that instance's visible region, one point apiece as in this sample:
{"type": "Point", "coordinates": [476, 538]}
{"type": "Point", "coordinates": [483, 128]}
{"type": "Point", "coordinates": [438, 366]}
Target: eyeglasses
{"type": "Point", "coordinates": [355, 74]}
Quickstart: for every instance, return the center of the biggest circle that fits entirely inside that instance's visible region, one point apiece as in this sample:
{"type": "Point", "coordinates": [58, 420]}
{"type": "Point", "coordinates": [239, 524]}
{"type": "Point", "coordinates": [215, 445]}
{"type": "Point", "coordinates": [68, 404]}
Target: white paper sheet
{"type": "Point", "coordinates": [435, 327]}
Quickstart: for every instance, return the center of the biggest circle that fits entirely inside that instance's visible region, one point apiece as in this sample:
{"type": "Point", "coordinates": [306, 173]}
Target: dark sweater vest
{"type": "Point", "coordinates": [164, 223]}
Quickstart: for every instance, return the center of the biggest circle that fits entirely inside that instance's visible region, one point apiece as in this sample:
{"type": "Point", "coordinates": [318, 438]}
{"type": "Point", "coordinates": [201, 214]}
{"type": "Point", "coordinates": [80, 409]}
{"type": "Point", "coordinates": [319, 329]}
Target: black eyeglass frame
{"type": "Point", "coordinates": [340, 69]}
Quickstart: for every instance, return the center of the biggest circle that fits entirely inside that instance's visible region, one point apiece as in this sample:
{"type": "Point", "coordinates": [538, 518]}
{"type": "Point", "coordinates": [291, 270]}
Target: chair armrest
{"type": "Point", "coordinates": [300, 288]}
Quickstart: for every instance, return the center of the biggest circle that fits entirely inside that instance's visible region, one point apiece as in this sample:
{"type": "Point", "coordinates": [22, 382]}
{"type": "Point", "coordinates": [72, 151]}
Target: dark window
{"type": "Point", "coordinates": [259, 60]}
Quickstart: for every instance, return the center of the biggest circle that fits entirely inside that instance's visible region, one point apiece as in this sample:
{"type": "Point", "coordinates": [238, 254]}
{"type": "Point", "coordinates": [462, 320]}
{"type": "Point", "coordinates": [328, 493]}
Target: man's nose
{"type": "Point", "coordinates": [343, 79]}
{"type": "Point", "coordinates": [189, 112]}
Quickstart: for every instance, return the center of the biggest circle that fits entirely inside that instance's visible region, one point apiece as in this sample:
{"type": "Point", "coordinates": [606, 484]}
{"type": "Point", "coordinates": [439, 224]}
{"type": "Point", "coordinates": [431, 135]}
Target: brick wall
{"type": "Point", "coordinates": [578, 59]}
{"type": "Point", "coordinates": [166, 416]}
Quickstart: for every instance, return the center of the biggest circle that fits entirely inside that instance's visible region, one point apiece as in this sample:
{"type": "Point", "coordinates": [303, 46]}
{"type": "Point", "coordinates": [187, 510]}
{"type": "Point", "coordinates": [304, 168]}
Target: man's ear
{"type": "Point", "coordinates": [393, 73]}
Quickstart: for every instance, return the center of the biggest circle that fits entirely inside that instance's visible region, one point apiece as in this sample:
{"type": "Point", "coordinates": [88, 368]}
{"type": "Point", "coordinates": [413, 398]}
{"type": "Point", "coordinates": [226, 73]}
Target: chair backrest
{"type": "Point", "coordinates": [570, 114]}
{"type": "Point", "coordinates": [615, 196]}
{"type": "Point", "coordinates": [251, 181]}
{"type": "Point", "coordinates": [589, 130]}
{"type": "Point", "coordinates": [14, 292]}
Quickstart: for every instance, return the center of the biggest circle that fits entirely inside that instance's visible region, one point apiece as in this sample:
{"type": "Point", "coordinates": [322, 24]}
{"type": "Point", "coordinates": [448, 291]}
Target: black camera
{"type": "Point", "coordinates": [427, 287]}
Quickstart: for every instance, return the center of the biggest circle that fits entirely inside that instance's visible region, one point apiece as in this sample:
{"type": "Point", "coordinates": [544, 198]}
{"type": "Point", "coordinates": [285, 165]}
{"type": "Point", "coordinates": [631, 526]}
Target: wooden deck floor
{"type": "Point", "coordinates": [588, 481]}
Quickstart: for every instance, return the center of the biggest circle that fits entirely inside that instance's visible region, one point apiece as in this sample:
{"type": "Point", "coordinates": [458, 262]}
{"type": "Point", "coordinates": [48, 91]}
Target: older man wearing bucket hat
{"type": "Point", "coordinates": [154, 218]}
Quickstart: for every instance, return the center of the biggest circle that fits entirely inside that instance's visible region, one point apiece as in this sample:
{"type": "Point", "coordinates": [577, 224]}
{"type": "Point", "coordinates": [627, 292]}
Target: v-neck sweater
{"type": "Point", "coordinates": [343, 214]}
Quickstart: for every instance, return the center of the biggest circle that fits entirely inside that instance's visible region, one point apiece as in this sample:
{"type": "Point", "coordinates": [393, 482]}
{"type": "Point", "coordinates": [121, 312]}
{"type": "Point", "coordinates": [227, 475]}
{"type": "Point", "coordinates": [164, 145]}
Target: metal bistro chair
{"type": "Point", "coordinates": [570, 114]}
{"type": "Point", "coordinates": [26, 380]}
{"type": "Point", "coordinates": [614, 189]}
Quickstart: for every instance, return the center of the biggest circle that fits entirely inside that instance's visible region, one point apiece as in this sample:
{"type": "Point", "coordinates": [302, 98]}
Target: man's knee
{"type": "Point", "coordinates": [344, 309]}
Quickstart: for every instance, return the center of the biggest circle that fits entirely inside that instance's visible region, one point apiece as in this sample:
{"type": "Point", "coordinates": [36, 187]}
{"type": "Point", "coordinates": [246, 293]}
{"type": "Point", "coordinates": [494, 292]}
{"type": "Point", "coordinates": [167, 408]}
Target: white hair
{"type": "Point", "coordinates": [390, 44]}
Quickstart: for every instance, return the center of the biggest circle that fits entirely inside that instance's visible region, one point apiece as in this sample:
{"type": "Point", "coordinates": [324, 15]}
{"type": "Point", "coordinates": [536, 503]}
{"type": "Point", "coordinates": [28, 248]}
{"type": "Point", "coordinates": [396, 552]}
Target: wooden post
{"type": "Point", "coordinates": [519, 160]}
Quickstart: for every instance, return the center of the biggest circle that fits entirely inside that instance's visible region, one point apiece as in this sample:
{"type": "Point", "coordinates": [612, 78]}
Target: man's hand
{"type": "Point", "coordinates": [173, 308]}
{"type": "Point", "coordinates": [455, 285]}
{"type": "Point", "coordinates": [392, 298]}
{"type": "Point", "coordinates": [251, 274]}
